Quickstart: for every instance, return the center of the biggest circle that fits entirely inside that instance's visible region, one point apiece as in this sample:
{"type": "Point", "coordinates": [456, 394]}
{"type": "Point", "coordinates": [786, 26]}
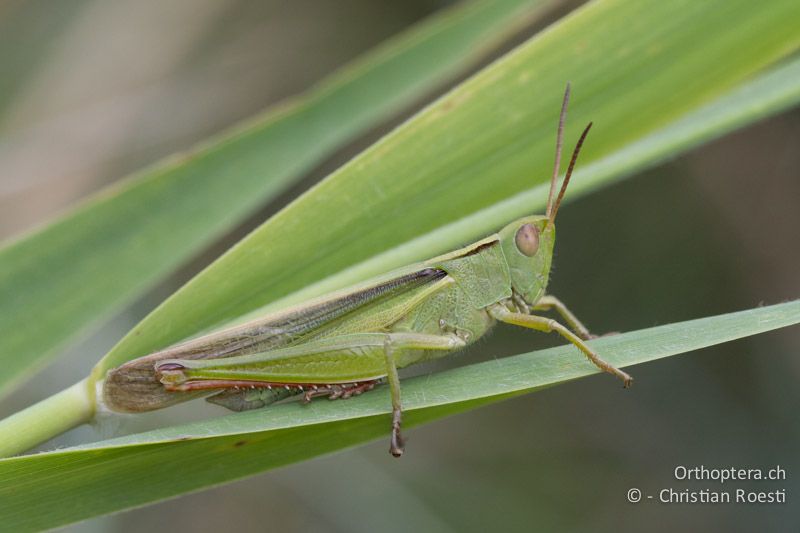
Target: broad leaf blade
{"type": "Point", "coordinates": [768, 94]}
{"type": "Point", "coordinates": [55, 488]}
{"type": "Point", "coordinates": [64, 278]}
{"type": "Point", "coordinates": [486, 141]}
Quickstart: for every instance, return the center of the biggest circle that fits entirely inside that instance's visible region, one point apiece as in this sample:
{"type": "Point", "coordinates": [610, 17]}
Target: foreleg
{"type": "Point", "coordinates": [547, 325]}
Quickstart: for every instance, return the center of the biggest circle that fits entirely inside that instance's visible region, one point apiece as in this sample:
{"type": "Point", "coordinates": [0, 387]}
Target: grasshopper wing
{"type": "Point", "coordinates": [133, 387]}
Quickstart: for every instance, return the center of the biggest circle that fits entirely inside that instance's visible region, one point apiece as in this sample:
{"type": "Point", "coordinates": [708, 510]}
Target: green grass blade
{"type": "Point", "coordinates": [770, 93]}
{"type": "Point", "coordinates": [55, 488]}
{"type": "Point", "coordinates": [636, 66]}
{"type": "Point", "coordinates": [61, 280]}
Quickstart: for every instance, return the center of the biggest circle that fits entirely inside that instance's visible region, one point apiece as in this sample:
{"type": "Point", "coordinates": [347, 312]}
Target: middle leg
{"type": "Point", "coordinates": [409, 341]}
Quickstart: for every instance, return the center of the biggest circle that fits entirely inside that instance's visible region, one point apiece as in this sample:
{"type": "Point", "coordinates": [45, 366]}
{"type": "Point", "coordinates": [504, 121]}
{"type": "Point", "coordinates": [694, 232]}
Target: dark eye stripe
{"type": "Point", "coordinates": [527, 240]}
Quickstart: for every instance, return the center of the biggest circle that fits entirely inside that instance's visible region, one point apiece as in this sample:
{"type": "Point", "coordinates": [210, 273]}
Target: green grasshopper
{"type": "Point", "coordinates": [344, 343]}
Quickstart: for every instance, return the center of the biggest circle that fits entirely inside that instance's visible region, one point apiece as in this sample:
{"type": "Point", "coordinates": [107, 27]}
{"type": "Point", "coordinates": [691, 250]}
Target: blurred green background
{"type": "Point", "coordinates": [85, 100]}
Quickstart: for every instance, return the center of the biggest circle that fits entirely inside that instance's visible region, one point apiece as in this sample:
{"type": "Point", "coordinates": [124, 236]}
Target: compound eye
{"type": "Point", "coordinates": [527, 239]}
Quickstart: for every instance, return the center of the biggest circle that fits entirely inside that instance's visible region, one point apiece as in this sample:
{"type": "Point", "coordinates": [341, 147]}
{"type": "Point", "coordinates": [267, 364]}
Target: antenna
{"type": "Point", "coordinates": [575, 153]}
{"type": "Point", "coordinates": [559, 144]}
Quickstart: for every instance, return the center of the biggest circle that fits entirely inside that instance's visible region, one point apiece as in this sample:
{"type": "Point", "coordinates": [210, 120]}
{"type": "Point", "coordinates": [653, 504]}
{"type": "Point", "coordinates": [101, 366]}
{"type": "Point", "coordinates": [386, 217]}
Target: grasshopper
{"type": "Point", "coordinates": [344, 343]}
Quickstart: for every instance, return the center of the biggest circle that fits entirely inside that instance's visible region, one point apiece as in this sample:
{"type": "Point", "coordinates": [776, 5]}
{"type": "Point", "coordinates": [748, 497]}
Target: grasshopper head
{"type": "Point", "coordinates": [528, 242]}
{"type": "Point", "coordinates": [528, 248]}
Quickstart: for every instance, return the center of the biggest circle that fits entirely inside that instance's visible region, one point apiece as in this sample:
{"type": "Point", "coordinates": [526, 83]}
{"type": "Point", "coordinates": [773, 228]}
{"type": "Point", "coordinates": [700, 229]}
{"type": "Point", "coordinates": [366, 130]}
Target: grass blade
{"type": "Point", "coordinates": [770, 93]}
{"type": "Point", "coordinates": [486, 141]}
{"type": "Point", "coordinates": [55, 488]}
